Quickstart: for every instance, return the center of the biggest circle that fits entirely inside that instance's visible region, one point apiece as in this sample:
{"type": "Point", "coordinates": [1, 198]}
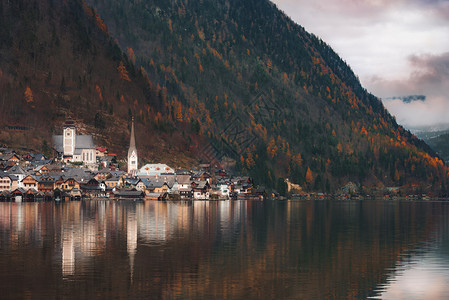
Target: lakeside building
{"type": "Point", "coordinates": [71, 147]}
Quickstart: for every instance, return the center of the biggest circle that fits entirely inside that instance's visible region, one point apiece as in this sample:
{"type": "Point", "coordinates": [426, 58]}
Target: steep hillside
{"type": "Point", "coordinates": [266, 93]}
{"type": "Point", "coordinates": [233, 82]}
{"type": "Point", "coordinates": [56, 61]}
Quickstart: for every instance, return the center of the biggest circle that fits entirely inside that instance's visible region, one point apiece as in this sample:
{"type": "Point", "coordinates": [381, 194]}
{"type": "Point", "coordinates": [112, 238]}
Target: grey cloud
{"type": "Point", "coordinates": [431, 78]}
{"type": "Point", "coordinates": [432, 73]}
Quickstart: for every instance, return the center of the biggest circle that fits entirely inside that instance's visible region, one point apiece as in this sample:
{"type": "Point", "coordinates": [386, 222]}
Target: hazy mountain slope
{"type": "Point", "coordinates": [268, 94]}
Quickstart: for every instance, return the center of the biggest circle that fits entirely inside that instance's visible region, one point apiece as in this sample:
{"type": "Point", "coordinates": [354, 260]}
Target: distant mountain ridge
{"type": "Point", "coordinates": [407, 99]}
{"type": "Point", "coordinates": [221, 81]}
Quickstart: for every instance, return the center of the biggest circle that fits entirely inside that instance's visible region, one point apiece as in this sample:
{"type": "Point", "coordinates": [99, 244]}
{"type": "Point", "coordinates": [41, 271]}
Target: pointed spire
{"type": "Point", "coordinates": [132, 153]}
{"type": "Point", "coordinates": [132, 142]}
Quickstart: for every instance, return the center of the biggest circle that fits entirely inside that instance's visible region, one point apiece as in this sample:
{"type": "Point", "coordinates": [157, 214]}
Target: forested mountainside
{"type": "Point", "coordinates": [207, 80]}
{"type": "Point", "coordinates": [265, 92]}
{"type": "Point", "coordinates": [58, 61]}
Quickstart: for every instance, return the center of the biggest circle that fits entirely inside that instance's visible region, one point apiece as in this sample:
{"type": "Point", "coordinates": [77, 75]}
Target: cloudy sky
{"type": "Point", "coordinates": [396, 47]}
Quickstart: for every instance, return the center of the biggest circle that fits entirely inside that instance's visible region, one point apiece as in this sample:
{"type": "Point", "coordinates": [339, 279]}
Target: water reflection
{"type": "Point", "coordinates": [423, 272]}
{"type": "Point", "coordinates": [229, 249]}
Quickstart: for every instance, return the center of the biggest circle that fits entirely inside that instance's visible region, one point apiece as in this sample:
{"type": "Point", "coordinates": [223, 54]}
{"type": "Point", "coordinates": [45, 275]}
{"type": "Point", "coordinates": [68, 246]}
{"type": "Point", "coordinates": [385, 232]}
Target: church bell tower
{"type": "Point", "coordinates": [132, 153]}
{"type": "Point", "coordinates": [69, 138]}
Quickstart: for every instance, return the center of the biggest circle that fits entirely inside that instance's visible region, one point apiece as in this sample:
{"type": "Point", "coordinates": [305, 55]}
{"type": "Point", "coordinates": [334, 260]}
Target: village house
{"type": "Point", "coordinates": [101, 152]}
{"type": "Point", "coordinates": [114, 182]}
{"type": "Point", "coordinates": [94, 188]}
{"type": "Point", "coordinates": [10, 158]}
{"type": "Point", "coordinates": [224, 188]}
{"type": "Point", "coordinates": [201, 190]}
{"type": "Point", "coordinates": [19, 173]}
{"type": "Point", "coordinates": [68, 185]}
{"type": "Point", "coordinates": [202, 176]}
{"type": "Point", "coordinates": [184, 186]}
{"type": "Point", "coordinates": [8, 182]}
{"type": "Point", "coordinates": [158, 186]}
{"type": "Point", "coordinates": [46, 184]}
{"type": "Point", "coordinates": [41, 170]}
{"type": "Point", "coordinates": [29, 182]}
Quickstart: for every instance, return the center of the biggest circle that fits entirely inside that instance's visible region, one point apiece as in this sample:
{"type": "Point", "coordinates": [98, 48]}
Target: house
{"type": "Point", "coordinates": [114, 182]}
{"type": "Point", "coordinates": [94, 188]}
{"type": "Point", "coordinates": [42, 170]}
{"type": "Point", "coordinates": [46, 184]}
{"type": "Point", "coordinates": [184, 186]}
{"type": "Point", "coordinates": [11, 157]}
{"type": "Point", "coordinates": [101, 152]}
{"type": "Point", "coordinates": [159, 186]}
{"type": "Point", "coordinates": [108, 173]}
{"type": "Point", "coordinates": [71, 147]}
{"type": "Point", "coordinates": [69, 184]}
{"type": "Point", "coordinates": [107, 161]}
{"type": "Point", "coordinates": [201, 190]}
{"type": "Point", "coordinates": [29, 182]}
{"type": "Point", "coordinates": [18, 194]}
{"type": "Point", "coordinates": [224, 188]}
{"type": "Point", "coordinates": [7, 182]}
{"type": "Point", "coordinates": [202, 176]}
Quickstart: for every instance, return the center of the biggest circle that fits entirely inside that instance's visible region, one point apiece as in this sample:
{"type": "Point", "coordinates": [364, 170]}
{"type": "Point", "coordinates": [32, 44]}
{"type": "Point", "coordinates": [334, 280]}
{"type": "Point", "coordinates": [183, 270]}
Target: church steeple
{"type": "Point", "coordinates": [132, 152]}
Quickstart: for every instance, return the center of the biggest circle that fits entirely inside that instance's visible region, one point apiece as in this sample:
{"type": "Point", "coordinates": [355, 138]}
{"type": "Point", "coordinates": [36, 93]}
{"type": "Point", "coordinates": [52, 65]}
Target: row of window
{"type": "Point", "coordinates": [88, 156]}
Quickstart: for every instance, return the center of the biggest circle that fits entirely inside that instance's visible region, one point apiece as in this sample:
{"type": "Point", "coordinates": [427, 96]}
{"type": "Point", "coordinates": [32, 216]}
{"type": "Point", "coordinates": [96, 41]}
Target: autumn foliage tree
{"type": "Point", "coordinates": [123, 72]}
{"type": "Point", "coordinates": [29, 98]}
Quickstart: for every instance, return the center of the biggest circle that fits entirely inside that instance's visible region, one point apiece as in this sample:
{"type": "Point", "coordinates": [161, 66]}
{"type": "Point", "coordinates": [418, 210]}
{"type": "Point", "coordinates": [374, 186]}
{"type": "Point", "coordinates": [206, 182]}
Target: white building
{"type": "Point", "coordinates": [155, 170]}
{"type": "Point", "coordinates": [75, 148]}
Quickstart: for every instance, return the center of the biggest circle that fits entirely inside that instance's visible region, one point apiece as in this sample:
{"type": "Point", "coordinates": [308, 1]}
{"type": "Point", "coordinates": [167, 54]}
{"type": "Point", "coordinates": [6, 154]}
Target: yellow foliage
{"type": "Point", "coordinates": [309, 176]}
{"type": "Point", "coordinates": [123, 72]}
{"type": "Point", "coordinates": [29, 98]}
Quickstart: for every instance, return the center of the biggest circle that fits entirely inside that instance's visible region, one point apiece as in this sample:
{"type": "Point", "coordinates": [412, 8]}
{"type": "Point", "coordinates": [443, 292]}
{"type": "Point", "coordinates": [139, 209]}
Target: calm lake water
{"type": "Point", "coordinates": [227, 249]}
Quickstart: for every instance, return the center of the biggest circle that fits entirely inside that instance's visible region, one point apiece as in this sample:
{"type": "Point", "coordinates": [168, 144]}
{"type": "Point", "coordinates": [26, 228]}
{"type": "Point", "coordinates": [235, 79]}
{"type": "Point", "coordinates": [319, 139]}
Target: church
{"type": "Point", "coordinates": [75, 148]}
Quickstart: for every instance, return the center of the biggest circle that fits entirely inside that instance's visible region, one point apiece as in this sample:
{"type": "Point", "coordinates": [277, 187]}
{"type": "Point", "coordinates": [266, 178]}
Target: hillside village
{"type": "Point", "coordinates": [80, 170]}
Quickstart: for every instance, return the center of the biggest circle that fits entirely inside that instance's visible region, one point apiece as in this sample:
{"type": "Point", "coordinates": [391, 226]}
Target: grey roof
{"type": "Point", "coordinates": [4, 174]}
{"type": "Point", "coordinates": [201, 184]}
{"type": "Point", "coordinates": [183, 179]}
{"type": "Point", "coordinates": [81, 142]}
{"type": "Point", "coordinates": [146, 181]}
{"type": "Point", "coordinates": [115, 178]}
{"type": "Point", "coordinates": [17, 170]}
{"type": "Point", "coordinates": [132, 181]}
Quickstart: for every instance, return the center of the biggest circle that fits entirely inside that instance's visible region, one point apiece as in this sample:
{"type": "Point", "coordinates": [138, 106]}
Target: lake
{"type": "Point", "coordinates": [225, 250]}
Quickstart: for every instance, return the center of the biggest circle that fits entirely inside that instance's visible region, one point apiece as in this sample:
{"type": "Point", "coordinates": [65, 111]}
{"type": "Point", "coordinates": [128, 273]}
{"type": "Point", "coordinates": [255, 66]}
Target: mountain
{"type": "Point", "coordinates": [407, 99]}
{"type": "Point", "coordinates": [438, 140]}
{"type": "Point", "coordinates": [267, 93]}
{"type": "Point", "coordinates": [234, 82]}
{"type": "Point", "coordinates": [58, 61]}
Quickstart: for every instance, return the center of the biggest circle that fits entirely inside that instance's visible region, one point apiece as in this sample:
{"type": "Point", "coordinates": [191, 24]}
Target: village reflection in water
{"type": "Point", "coordinates": [221, 249]}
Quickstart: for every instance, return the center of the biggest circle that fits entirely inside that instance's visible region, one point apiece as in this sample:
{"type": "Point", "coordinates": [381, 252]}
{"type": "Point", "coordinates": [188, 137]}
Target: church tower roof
{"type": "Point", "coordinates": [132, 142]}
{"type": "Point", "coordinates": [132, 153]}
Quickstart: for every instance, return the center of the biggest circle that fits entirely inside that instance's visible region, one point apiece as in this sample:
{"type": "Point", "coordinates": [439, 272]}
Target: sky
{"type": "Point", "coordinates": [396, 47]}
